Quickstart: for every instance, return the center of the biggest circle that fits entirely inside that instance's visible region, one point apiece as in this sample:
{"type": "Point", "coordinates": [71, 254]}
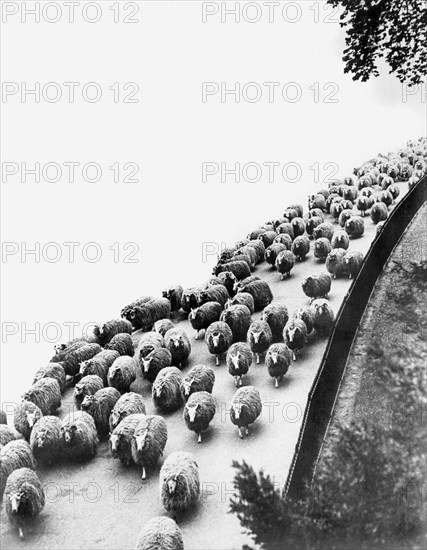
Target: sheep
{"type": "Point", "coordinates": [335, 263]}
{"type": "Point", "coordinates": [174, 294]}
{"type": "Point", "coordinates": [272, 251]}
{"type": "Point", "coordinates": [178, 343]}
{"type": "Point", "coordinates": [105, 332]}
{"type": "Point", "coordinates": [99, 364]}
{"type": "Point", "coordinates": [355, 227]}
{"type": "Point", "coordinates": [317, 286]}
{"type": "Point", "coordinates": [350, 194]}
{"type": "Point", "coordinates": [79, 436]}
{"type": "Point", "coordinates": [154, 362]}
{"type": "Point", "coordinates": [317, 201]}
{"type": "Point", "coordinates": [295, 336]}
{"type": "Point", "coordinates": [129, 403]}
{"type": "Point", "coordinates": [128, 311]}
{"type": "Point", "coordinates": [24, 497]}
{"type": "Point", "coordinates": [8, 434]}
{"type": "Point", "coordinates": [287, 229]}
{"type": "Point", "coordinates": [160, 533]}
{"type": "Point", "coordinates": [259, 338]}
{"type": "Point", "coordinates": [240, 285]}
{"type": "Point", "coordinates": [340, 239]}
{"type": "Point", "coordinates": [51, 370]}
{"type": "Point", "coordinates": [322, 247]}
{"type": "Point", "coordinates": [311, 224]}
{"type": "Point", "coordinates": [15, 454]}
{"type": "Point", "coordinates": [226, 254]}
{"type": "Point", "coordinates": [344, 216]}
{"type": "Point", "coordinates": [347, 205]}
{"type": "Point", "coordinates": [216, 293]}
{"type": "Point", "coordinates": [385, 181]}
{"type": "Point", "coordinates": [315, 213]}
{"type": "Point", "coordinates": [242, 298]}
{"type": "Point", "coordinates": [285, 239]}
{"type": "Point", "coordinates": [276, 315]}
{"type": "Point", "coordinates": [259, 248]}
{"type": "Point", "coordinates": [301, 247]}
{"type": "Point", "coordinates": [250, 253]}
{"type": "Point", "coordinates": [325, 230]}
{"type": "Point", "coordinates": [333, 197]}
{"type": "Point", "coordinates": [25, 416]}
{"type": "Point", "coordinates": [290, 213]}
{"type": "Point", "coordinates": [122, 373]}
{"type": "Point", "coordinates": [394, 191]}
{"type": "Point", "coordinates": [46, 394]}
{"type": "Point", "coordinates": [179, 481]}
{"type": "Point", "coordinates": [121, 343]}
{"type": "Point", "coordinates": [238, 318]}
{"type": "Point", "coordinates": [239, 359]}
{"type": "Point", "coordinates": [277, 360]}
{"type": "Point", "coordinates": [280, 220]}
{"type": "Point", "coordinates": [306, 314]}
{"type": "Point", "coordinates": [218, 338]}
{"type": "Point", "coordinates": [386, 197]}
{"type": "Point", "coordinates": [228, 279]}
{"type": "Point", "coordinates": [166, 390]}
{"type": "Point", "coordinates": [268, 237]}
{"type": "Point", "coordinates": [198, 378]}
{"type": "Point", "coordinates": [367, 192]}
{"type": "Point", "coordinates": [88, 385]}
{"type": "Point", "coordinates": [336, 209]}
{"type": "Point", "coordinates": [199, 412]}
{"type": "Point", "coordinates": [143, 316]}
{"type": "Point", "coordinates": [3, 416]}
{"type": "Point", "coordinates": [45, 439]}
{"type": "Point", "coordinates": [239, 268]}
{"type": "Point", "coordinates": [353, 262]}
{"type": "Point", "coordinates": [121, 438]}
{"type": "Point", "coordinates": [380, 226]}
{"type": "Point", "coordinates": [148, 442]}
{"type": "Point", "coordinates": [323, 316]}
{"type": "Point", "coordinates": [323, 192]}
{"type": "Point", "coordinates": [62, 350]}
{"type": "Point", "coordinates": [255, 234]}
{"type": "Point", "coordinates": [149, 342]}
{"type": "Point", "coordinates": [298, 208]}
{"type": "Point", "coordinates": [201, 317]}
{"type": "Point", "coordinates": [362, 204]}
{"type": "Point", "coordinates": [285, 261]}
{"type": "Point", "coordinates": [190, 299]}
{"type": "Point", "coordinates": [242, 257]}
{"type": "Point", "coordinates": [73, 358]}
{"type": "Point", "coordinates": [162, 326]}
{"type": "Point", "coordinates": [246, 406]}
{"type": "Point", "coordinates": [99, 406]}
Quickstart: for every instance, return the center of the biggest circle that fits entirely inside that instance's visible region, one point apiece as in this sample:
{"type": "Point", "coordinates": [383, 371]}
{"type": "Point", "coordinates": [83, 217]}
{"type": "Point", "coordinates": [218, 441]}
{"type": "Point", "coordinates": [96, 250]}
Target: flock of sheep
{"type": "Point", "coordinates": [103, 367]}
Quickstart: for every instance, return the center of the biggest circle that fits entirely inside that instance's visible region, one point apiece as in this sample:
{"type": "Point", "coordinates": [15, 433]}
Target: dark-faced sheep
{"type": "Point", "coordinates": [154, 362]}
{"type": "Point", "coordinates": [353, 263]}
{"type": "Point", "coordinates": [160, 533]}
{"type": "Point", "coordinates": [295, 336]}
{"type": "Point", "coordinates": [285, 239]}
{"type": "Point", "coordinates": [350, 193]}
{"type": "Point", "coordinates": [379, 212]}
{"type": "Point", "coordinates": [317, 286]}
{"type": "Point", "coordinates": [306, 314]}
{"type": "Point", "coordinates": [8, 434]}
{"type": "Point", "coordinates": [344, 216]}
{"type": "Point", "coordinates": [148, 442]}
{"type": "Point", "coordinates": [25, 416]}
{"type": "Point", "coordinates": [259, 338]}
{"type": "Point", "coordinates": [179, 481]}
{"type": "Point", "coordinates": [174, 294]}
{"type": "Point", "coordinates": [144, 316]}
{"type": "Point", "coordinates": [178, 343]}
{"type": "Point", "coordinates": [276, 315]}
{"type": "Point", "coordinates": [250, 253]}
{"type": "Point", "coordinates": [199, 412]}
{"type": "Point", "coordinates": [99, 364]}
{"type": "Point", "coordinates": [198, 378]}
{"type": "Point", "coordinates": [239, 359]}
{"type": "Point", "coordinates": [121, 438]}
{"type": "Point", "coordinates": [362, 204]}
{"type": "Point", "coordinates": [99, 406]}
{"type": "Point", "coordinates": [88, 385]}
{"type": "Point", "coordinates": [299, 209]}
{"type": "Point", "coordinates": [238, 318]}
{"type": "Point", "coordinates": [311, 224]}
{"type": "Point", "coordinates": [24, 497]}
{"type": "Point", "coordinates": [246, 406]}
{"type": "Point", "coordinates": [267, 238]}
{"type": "Point", "coordinates": [287, 229]}
{"type": "Point", "coordinates": [149, 342]}
{"type": "Point", "coordinates": [340, 239]}
{"type": "Point", "coordinates": [239, 268]}
{"type": "Point", "coordinates": [62, 350]}
{"type": "Point", "coordinates": [386, 197]}
{"type": "Point", "coordinates": [51, 370]}
{"type": "Point", "coordinates": [301, 247]}
{"type": "Point", "coordinates": [218, 338]}
{"type": "Point", "coordinates": [355, 227]}
{"type": "Point", "coordinates": [45, 439]}
{"type": "Point", "coordinates": [128, 311]}
{"type": "Point", "coordinates": [317, 201]}
{"type": "Point", "coordinates": [242, 298]}
{"type": "Point", "coordinates": [203, 316]}
{"type": "Point", "coordinates": [15, 454]}
{"type": "Point", "coordinates": [215, 293]}
{"type": "Point", "coordinates": [3, 416]}
{"type": "Point", "coordinates": [322, 247]}
{"type": "Point", "coordinates": [129, 403]}
{"type": "Point", "coordinates": [73, 358]}
{"type": "Point", "coordinates": [285, 261]}
{"type": "Point", "coordinates": [227, 279]}
{"type": "Point", "coordinates": [315, 213]}
{"type": "Point", "coordinates": [323, 316]}
{"type": "Point", "coordinates": [46, 394]}
{"type": "Point", "coordinates": [122, 373]}
{"type": "Point", "coordinates": [272, 251]}
{"type": "Point", "coordinates": [394, 191]}
{"type": "Point", "coordinates": [323, 230]}
{"type": "Point", "coordinates": [277, 360]}
{"type": "Point", "coordinates": [335, 263]}
{"type": "Point", "coordinates": [259, 248]}
{"type": "Point", "coordinates": [79, 436]}
{"type": "Point", "coordinates": [166, 390]}
{"type": "Point", "coordinates": [336, 209]}
{"type": "Point", "coordinates": [190, 299]}
{"type": "Point", "coordinates": [255, 233]}
{"type": "Point", "coordinates": [162, 326]}
{"type": "Point", "coordinates": [122, 343]}
{"type": "Point", "coordinates": [240, 285]}
{"type": "Point", "coordinates": [106, 331]}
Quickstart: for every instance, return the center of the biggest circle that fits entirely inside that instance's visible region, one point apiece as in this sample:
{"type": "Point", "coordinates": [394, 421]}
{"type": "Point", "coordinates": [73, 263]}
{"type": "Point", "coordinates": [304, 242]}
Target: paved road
{"type": "Point", "coordinates": [102, 504]}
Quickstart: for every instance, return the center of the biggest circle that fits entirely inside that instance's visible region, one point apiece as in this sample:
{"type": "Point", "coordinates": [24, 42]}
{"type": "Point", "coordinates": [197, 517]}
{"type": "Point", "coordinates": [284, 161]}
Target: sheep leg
{"type": "Point", "coordinates": [277, 383]}
{"type": "Point", "coordinates": [294, 356]}
{"type": "Point", "coordinates": [199, 440]}
{"type": "Point", "coordinates": [21, 533]}
{"type": "Point", "coordinates": [236, 381]}
{"type": "Point", "coordinates": [349, 276]}
{"type": "Point", "coordinates": [217, 360]}
{"type": "Point", "coordinates": [240, 433]}
{"type": "Point", "coordinates": [241, 381]}
{"type": "Point", "coordinates": [247, 430]}
{"type": "Point", "coordinates": [144, 474]}
{"type": "Point", "coordinates": [281, 276]}
{"type": "Point", "coordinates": [257, 358]}
{"type": "Point", "coordinates": [197, 335]}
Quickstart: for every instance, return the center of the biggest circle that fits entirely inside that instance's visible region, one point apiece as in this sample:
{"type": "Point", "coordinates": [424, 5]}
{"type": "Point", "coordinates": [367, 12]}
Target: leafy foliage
{"type": "Point", "coordinates": [392, 29]}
